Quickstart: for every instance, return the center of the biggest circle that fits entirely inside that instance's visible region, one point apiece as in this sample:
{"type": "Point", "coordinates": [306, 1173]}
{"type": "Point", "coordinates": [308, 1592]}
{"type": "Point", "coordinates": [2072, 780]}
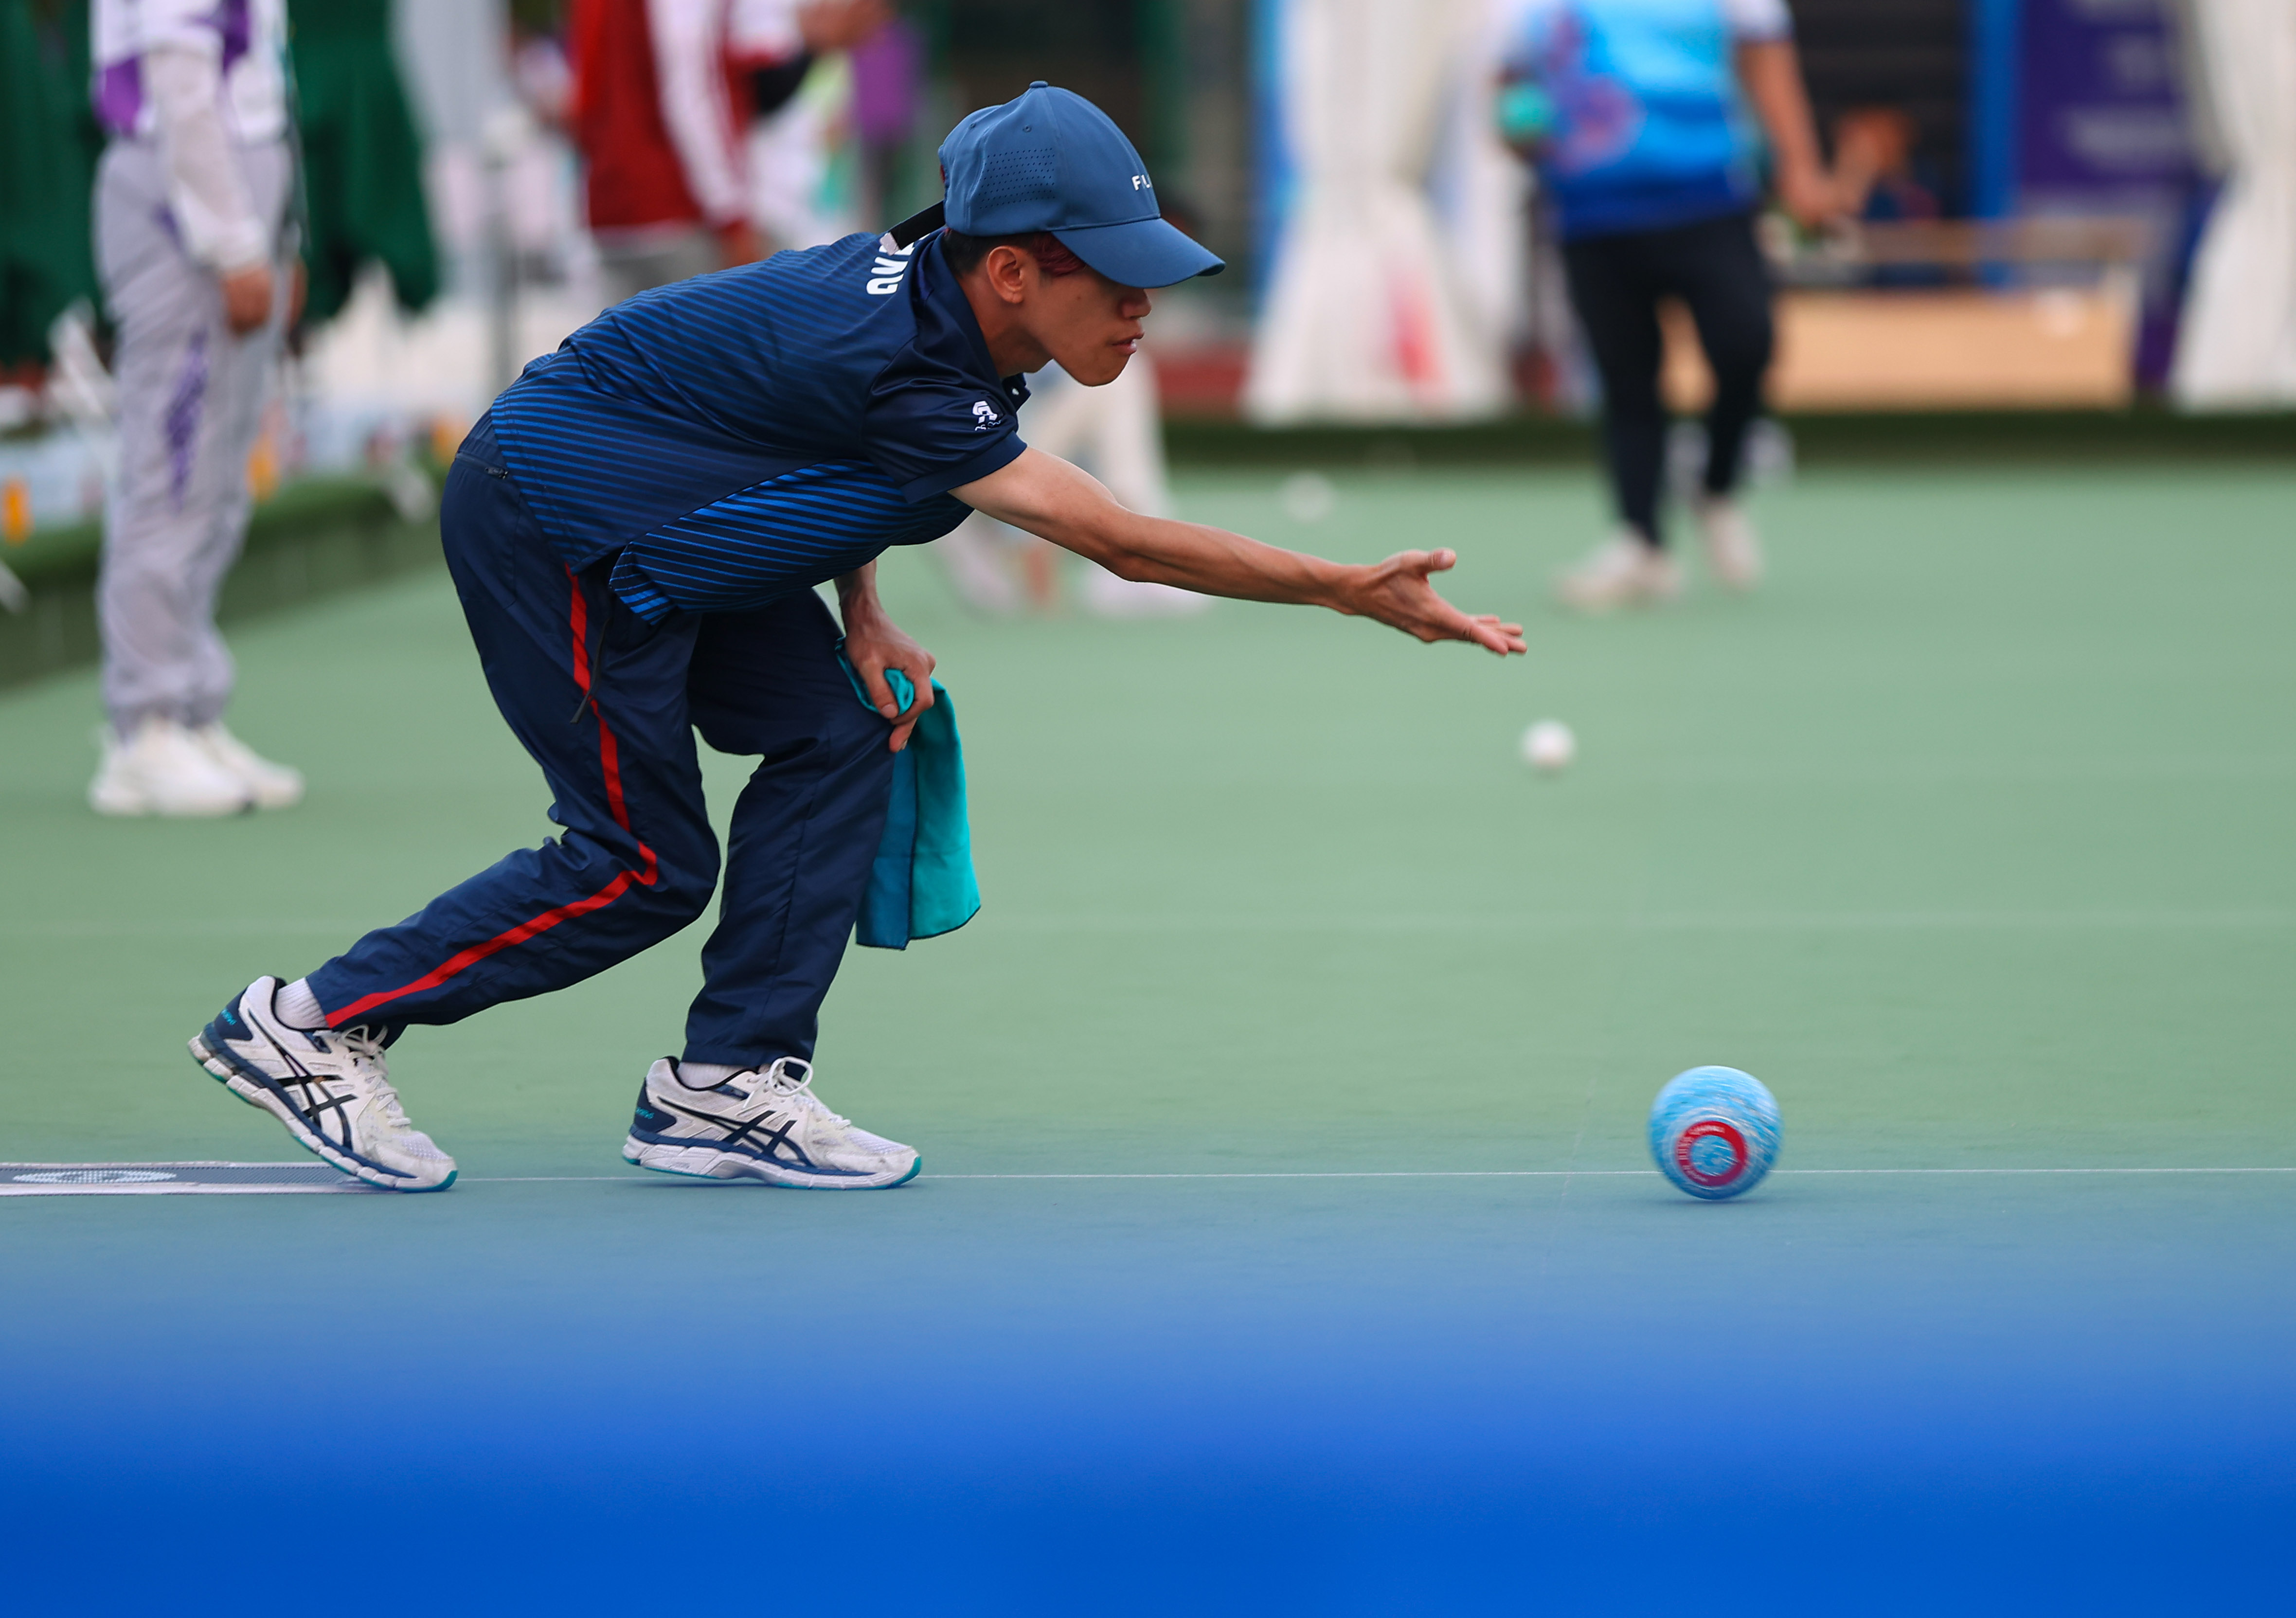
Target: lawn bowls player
{"type": "Point", "coordinates": [635, 530]}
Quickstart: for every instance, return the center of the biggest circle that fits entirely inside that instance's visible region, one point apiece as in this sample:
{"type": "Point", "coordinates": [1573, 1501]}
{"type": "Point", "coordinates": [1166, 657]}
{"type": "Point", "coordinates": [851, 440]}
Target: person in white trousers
{"type": "Point", "coordinates": [1114, 431]}
{"type": "Point", "coordinates": [197, 260]}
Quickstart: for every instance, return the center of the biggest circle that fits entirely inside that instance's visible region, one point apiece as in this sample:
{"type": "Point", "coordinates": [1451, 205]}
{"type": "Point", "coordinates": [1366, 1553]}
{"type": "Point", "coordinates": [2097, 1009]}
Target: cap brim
{"type": "Point", "coordinates": [1143, 252]}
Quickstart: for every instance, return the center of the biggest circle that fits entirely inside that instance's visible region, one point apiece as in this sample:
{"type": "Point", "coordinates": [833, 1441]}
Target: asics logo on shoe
{"type": "Point", "coordinates": [759, 1136]}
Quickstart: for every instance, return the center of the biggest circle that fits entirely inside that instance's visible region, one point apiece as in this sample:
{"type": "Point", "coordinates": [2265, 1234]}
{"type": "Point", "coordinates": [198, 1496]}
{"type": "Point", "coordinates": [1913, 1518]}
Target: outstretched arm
{"type": "Point", "coordinates": [1049, 497]}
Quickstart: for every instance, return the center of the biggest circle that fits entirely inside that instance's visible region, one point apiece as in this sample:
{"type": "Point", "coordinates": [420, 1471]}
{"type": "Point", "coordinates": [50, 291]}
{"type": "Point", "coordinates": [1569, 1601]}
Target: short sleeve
{"type": "Point", "coordinates": [1757, 19]}
{"type": "Point", "coordinates": [931, 429]}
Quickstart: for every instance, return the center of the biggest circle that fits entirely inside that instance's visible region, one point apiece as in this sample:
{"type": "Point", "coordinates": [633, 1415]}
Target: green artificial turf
{"type": "Point", "coordinates": [1966, 833]}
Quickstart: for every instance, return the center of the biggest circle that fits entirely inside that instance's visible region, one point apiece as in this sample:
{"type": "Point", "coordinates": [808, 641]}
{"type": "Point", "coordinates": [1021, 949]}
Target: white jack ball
{"type": "Point", "coordinates": [1549, 745]}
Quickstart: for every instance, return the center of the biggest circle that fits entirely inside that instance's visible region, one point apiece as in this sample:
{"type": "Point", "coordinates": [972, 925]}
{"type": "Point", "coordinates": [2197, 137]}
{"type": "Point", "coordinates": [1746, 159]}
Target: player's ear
{"type": "Point", "coordinates": [1008, 273]}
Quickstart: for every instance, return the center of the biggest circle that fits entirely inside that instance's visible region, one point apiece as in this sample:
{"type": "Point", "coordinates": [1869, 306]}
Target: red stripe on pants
{"type": "Point", "coordinates": [609, 766]}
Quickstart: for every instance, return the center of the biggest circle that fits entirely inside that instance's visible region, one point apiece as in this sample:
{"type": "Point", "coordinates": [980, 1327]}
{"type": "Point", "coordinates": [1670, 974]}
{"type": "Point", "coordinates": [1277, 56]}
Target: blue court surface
{"type": "Point", "coordinates": [1286, 1241]}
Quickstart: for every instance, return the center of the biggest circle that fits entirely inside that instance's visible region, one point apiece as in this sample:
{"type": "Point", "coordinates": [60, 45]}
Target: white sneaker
{"type": "Point", "coordinates": [1733, 551]}
{"type": "Point", "coordinates": [972, 553]}
{"type": "Point", "coordinates": [763, 1124]}
{"type": "Point", "coordinates": [328, 1086]}
{"type": "Point", "coordinates": [162, 770]}
{"type": "Point", "coordinates": [1111, 596]}
{"type": "Point", "coordinates": [1622, 571]}
{"type": "Point", "coordinates": [271, 786]}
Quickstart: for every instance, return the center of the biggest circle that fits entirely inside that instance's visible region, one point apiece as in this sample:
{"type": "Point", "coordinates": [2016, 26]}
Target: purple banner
{"type": "Point", "coordinates": [2102, 129]}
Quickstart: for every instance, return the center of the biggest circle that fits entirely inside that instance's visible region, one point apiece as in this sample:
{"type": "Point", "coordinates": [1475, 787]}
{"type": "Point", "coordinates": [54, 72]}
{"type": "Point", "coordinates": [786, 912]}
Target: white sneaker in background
{"type": "Point", "coordinates": [327, 1085]}
{"type": "Point", "coordinates": [1110, 597]}
{"type": "Point", "coordinates": [271, 786]}
{"type": "Point", "coordinates": [1733, 550]}
{"type": "Point", "coordinates": [973, 555]}
{"type": "Point", "coordinates": [163, 769]}
{"type": "Point", "coordinates": [1622, 571]}
{"type": "Point", "coordinates": [763, 1124]}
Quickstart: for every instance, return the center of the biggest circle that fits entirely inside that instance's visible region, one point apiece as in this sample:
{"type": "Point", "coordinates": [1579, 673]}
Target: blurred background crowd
{"type": "Point", "coordinates": [2050, 203]}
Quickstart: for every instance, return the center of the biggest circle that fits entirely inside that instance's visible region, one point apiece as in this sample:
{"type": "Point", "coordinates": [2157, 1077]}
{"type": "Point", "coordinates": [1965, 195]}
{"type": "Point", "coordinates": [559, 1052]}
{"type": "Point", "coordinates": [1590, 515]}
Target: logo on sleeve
{"type": "Point", "coordinates": [984, 416]}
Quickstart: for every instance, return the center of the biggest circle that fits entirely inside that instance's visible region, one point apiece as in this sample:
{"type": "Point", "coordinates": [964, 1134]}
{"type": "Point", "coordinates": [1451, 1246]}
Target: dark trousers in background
{"type": "Point", "coordinates": [609, 704]}
{"type": "Point", "coordinates": [1714, 266]}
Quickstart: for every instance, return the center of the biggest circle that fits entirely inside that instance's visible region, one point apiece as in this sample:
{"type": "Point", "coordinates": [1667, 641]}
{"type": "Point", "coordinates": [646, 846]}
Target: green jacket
{"type": "Point", "coordinates": [49, 144]}
{"type": "Point", "coordinates": [362, 157]}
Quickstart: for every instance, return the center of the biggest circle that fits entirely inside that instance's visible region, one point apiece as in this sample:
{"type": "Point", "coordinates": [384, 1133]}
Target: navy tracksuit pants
{"type": "Point", "coordinates": [609, 704]}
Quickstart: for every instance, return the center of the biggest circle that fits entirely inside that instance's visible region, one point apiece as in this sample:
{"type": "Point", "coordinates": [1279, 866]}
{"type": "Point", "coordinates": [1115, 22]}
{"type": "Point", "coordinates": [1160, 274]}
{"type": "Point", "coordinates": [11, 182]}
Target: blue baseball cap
{"type": "Point", "coordinates": [1049, 160]}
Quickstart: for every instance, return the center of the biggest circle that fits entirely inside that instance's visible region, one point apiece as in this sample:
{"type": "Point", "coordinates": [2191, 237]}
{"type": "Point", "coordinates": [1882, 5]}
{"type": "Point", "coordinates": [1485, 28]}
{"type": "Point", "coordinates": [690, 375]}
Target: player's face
{"type": "Point", "coordinates": [1087, 321]}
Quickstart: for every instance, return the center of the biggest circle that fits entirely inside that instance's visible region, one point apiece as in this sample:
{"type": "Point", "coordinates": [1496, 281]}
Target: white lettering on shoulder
{"type": "Point", "coordinates": [885, 275]}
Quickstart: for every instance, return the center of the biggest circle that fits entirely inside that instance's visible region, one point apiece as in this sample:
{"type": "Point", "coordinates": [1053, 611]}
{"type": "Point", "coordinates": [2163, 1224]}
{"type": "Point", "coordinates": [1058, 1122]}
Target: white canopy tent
{"type": "Point", "coordinates": [2237, 348]}
{"type": "Point", "coordinates": [1364, 317]}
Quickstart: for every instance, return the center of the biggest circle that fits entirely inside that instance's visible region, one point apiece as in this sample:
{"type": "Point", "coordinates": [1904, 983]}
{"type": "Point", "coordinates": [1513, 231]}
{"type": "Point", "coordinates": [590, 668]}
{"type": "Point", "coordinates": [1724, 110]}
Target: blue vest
{"type": "Point", "coordinates": [1648, 128]}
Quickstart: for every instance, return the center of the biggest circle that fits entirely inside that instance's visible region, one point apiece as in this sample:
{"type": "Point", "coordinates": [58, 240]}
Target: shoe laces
{"type": "Point", "coordinates": [780, 1081]}
{"type": "Point", "coordinates": [363, 1046]}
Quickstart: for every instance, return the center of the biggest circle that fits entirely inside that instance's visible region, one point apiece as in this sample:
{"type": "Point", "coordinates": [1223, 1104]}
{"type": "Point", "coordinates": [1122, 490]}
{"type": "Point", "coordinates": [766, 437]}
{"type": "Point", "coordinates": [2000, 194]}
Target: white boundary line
{"type": "Point", "coordinates": [1567, 1173]}
{"type": "Point", "coordinates": [529, 1180]}
{"type": "Point", "coordinates": [194, 1188]}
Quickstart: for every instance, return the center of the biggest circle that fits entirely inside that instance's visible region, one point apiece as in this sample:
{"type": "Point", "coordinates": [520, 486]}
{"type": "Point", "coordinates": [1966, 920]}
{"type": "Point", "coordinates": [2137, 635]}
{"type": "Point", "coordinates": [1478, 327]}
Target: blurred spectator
{"type": "Point", "coordinates": [1633, 113]}
{"type": "Point", "coordinates": [773, 44]}
{"type": "Point", "coordinates": [654, 115]}
{"type": "Point", "coordinates": [2238, 347]}
{"type": "Point", "coordinates": [196, 243]}
{"type": "Point", "coordinates": [48, 148]}
{"type": "Point", "coordinates": [888, 95]}
{"type": "Point", "coordinates": [362, 159]}
{"type": "Point", "coordinates": [1115, 432]}
{"type": "Point", "coordinates": [798, 198]}
{"type": "Point", "coordinates": [1874, 161]}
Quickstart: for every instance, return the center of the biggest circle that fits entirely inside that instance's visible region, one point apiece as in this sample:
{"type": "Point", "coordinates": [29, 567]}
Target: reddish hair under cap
{"type": "Point", "coordinates": [964, 253]}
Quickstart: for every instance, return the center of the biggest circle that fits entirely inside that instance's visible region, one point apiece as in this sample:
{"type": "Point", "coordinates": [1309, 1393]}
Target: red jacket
{"type": "Point", "coordinates": [638, 173]}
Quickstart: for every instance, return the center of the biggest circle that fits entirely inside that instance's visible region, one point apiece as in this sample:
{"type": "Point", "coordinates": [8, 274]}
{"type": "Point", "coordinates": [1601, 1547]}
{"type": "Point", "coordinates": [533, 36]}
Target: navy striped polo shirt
{"type": "Point", "coordinates": [742, 435]}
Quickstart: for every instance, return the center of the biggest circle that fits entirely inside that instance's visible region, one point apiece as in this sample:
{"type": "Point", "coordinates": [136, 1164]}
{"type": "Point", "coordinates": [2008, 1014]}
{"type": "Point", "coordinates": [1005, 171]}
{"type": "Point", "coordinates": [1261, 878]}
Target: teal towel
{"type": "Point", "coordinates": [921, 884]}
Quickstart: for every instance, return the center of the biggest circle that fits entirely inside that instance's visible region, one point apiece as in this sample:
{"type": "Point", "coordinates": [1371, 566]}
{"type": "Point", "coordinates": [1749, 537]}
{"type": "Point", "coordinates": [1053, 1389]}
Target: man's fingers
{"type": "Point", "coordinates": [1420, 563]}
{"type": "Point", "coordinates": [880, 689]}
{"type": "Point", "coordinates": [1504, 639]}
{"type": "Point", "coordinates": [921, 695]}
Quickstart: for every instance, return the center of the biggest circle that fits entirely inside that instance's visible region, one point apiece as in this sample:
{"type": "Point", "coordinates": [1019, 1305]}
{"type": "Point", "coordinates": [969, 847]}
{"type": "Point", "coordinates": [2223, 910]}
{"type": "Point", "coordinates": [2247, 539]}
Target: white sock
{"type": "Point", "coordinates": [298, 1008]}
{"type": "Point", "coordinates": [703, 1075]}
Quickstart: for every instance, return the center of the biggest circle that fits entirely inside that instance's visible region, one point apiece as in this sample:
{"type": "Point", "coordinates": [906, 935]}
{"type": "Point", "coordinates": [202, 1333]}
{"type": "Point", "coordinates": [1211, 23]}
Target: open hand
{"type": "Point", "coordinates": [875, 643]}
{"type": "Point", "coordinates": [1397, 593]}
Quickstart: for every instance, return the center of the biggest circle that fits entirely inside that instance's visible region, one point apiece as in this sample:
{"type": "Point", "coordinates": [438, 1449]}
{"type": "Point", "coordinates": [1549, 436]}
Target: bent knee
{"type": "Point", "coordinates": [668, 889]}
{"type": "Point", "coordinates": [680, 894]}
